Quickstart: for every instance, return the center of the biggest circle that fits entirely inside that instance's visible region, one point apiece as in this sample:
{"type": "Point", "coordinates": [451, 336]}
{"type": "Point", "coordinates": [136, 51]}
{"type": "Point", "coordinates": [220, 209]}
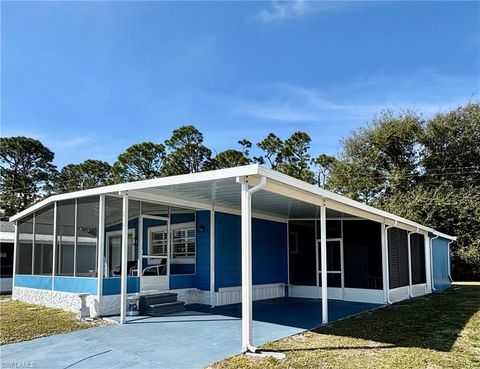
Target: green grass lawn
{"type": "Point", "coordinates": [436, 331]}
{"type": "Point", "coordinates": [20, 321]}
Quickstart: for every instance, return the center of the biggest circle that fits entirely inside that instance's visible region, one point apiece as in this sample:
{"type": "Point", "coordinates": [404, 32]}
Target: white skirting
{"type": "Point", "coordinates": [233, 295]}
{"type": "Point", "coordinates": [346, 294]}
{"type": "Point", "coordinates": [399, 294]}
{"type": "Point", "coordinates": [419, 289]}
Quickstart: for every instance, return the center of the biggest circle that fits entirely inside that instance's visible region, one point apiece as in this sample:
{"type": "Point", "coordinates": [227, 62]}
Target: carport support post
{"type": "Point", "coordinates": [323, 253]}
{"type": "Point", "coordinates": [123, 290]}
{"type": "Point", "coordinates": [246, 269]}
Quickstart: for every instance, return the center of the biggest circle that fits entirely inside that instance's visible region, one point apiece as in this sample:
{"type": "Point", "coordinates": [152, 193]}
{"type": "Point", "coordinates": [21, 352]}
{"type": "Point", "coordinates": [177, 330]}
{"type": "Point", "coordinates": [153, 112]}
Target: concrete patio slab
{"type": "Point", "coordinates": [190, 339]}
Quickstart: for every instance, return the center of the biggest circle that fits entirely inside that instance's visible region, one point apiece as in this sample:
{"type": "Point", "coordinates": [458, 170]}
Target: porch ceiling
{"type": "Point", "coordinates": [225, 194]}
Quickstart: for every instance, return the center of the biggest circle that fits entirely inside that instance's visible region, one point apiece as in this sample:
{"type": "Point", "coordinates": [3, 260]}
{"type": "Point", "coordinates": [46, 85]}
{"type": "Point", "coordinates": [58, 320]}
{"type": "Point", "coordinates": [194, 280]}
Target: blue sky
{"type": "Point", "coordinates": [89, 79]}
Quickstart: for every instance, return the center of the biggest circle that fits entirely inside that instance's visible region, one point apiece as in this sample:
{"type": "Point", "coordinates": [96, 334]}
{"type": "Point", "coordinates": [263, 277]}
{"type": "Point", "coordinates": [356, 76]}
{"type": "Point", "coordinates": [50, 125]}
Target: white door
{"type": "Point", "coordinates": [156, 263]}
{"type": "Point", "coordinates": [335, 278]}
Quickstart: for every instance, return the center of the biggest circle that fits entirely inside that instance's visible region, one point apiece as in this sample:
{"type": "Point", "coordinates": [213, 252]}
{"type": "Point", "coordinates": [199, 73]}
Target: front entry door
{"type": "Point", "coordinates": [335, 280]}
{"type": "Point", "coordinates": [156, 257]}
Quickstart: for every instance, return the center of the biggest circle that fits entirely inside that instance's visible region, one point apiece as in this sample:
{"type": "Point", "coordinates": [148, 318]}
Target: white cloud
{"type": "Point", "coordinates": [282, 10]}
{"type": "Point", "coordinates": [424, 91]}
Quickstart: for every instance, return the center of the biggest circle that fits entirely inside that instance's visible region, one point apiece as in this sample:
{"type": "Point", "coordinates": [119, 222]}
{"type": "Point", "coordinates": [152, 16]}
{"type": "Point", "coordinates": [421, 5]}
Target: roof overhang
{"type": "Point", "coordinates": [283, 197]}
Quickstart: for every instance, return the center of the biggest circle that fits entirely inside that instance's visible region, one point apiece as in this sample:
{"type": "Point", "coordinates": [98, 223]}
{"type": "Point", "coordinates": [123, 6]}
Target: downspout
{"type": "Point", "coordinates": [431, 262]}
{"type": "Point", "coordinates": [449, 263]}
{"type": "Point", "coordinates": [409, 245]}
{"type": "Point", "coordinates": [387, 282]}
{"type": "Point", "coordinates": [247, 304]}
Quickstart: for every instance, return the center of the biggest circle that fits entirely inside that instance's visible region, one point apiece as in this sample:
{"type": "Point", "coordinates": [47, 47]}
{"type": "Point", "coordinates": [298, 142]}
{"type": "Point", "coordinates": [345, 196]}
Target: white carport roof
{"type": "Point", "coordinates": [283, 197]}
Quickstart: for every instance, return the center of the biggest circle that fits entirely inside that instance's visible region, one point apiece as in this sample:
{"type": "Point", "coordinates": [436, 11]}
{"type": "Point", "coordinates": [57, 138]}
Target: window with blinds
{"type": "Point", "coordinates": [183, 242]}
{"type": "Point", "coordinates": [158, 243]}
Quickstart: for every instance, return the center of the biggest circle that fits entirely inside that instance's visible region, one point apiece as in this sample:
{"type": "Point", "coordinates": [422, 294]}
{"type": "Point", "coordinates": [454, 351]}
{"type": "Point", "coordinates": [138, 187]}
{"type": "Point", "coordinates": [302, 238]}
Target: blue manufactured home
{"type": "Point", "coordinates": [217, 238]}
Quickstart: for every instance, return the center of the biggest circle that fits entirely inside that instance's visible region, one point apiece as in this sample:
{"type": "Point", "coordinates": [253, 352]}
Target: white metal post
{"type": "Point", "coordinates": [426, 248]}
{"type": "Point", "coordinates": [33, 243]}
{"type": "Point", "coordinates": [384, 262]}
{"type": "Point", "coordinates": [409, 251]}
{"type": "Point", "coordinates": [140, 242]}
{"type": "Point", "coordinates": [100, 244]}
{"type": "Point", "coordinates": [123, 286]}
{"type": "Point", "coordinates": [323, 253]}
{"type": "Point", "coordinates": [15, 250]}
{"type": "Point", "coordinates": [75, 239]}
{"type": "Point", "coordinates": [212, 257]}
{"type": "Point", "coordinates": [54, 253]}
{"type": "Point", "coordinates": [431, 263]}
{"type": "Point", "coordinates": [246, 269]}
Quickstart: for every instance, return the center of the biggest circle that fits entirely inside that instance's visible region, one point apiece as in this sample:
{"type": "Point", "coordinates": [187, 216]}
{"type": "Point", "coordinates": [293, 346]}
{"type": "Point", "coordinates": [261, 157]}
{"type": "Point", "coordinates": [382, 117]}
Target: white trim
{"type": "Point", "coordinates": [149, 183]}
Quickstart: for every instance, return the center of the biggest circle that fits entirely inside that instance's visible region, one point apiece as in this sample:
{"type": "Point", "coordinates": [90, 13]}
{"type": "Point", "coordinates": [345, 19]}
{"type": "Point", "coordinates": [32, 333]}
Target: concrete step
{"type": "Point", "coordinates": [163, 308]}
{"type": "Point", "coordinates": [158, 298]}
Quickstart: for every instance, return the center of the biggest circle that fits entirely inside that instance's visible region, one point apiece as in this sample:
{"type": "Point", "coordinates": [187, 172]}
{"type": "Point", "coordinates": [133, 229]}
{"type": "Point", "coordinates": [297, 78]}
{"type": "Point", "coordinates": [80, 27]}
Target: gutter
{"type": "Point", "coordinates": [431, 261]}
{"type": "Point", "coordinates": [247, 346]}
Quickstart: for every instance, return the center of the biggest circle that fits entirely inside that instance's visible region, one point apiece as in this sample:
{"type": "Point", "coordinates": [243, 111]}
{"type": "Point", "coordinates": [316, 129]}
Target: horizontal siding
{"type": "Point", "coordinates": [203, 251]}
{"type": "Point", "coordinates": [111, 286]}
{"type": "Point", "coordinates": [182, 281]}
{"type": "Point", "coordinates": [269, 251]}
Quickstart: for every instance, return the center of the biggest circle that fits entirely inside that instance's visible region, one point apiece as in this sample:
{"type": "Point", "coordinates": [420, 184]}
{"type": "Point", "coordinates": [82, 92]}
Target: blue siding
{"type": "Point", "coordinates": [227, 250]}
{"type": "Point", "coordinates": [111, 286]}
{"type": "Point", "coordinates": [203, 251]}
{"type": "Point", "coordinates": [33, 281]}
{"type": "Point", "coordinates": [269, 251]}
{"type": "Point", "coordinates": [182, 281]}
{"type": "Point", "coordinates": [77, 284]}
{"type": "Point", "coordinates": [440, 264]}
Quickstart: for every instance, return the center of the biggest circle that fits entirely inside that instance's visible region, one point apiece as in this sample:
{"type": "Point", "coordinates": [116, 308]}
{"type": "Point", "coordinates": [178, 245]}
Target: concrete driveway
{"type": "Point", "coordinates": [194, 338]}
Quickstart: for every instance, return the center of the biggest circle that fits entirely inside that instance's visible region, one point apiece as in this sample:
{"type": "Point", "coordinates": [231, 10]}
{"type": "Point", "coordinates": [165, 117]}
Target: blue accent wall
{"type": "Point", "coordinates": [33, 281]}
{"type": "Point", "coordinates": [440, 263]}
{"type": "Point", "coordinates": [269, 251]}
{"type": "Point", "coordinates": [77, 284]}
{"type": "Point", "coordinates": [182, 281]}
{"type": "Point", "coordinates": [203, 251]}
{"type": "Point", "coordinates": [111, 286]}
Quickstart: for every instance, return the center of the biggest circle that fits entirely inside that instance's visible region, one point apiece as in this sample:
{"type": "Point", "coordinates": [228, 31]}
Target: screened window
{"type": "Point", "coordinates": [362, 252]}
{"type": "Point", "coordinates": [302, 254]}
{"type": "Point", "coordinates": [398, 257]}
{"type": "Point", "coordinates": [417, 247]}
{"type": "Point", "coordinates": [87, 234]}
{"type": "Point", "coordinates": [183, 242]}
{"type": "Point", "coordinates": [43, 246]}
{"type": "Point", "coordinates": [65, 237]}
{"type": "Point", "coordinates": [25, 246]}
